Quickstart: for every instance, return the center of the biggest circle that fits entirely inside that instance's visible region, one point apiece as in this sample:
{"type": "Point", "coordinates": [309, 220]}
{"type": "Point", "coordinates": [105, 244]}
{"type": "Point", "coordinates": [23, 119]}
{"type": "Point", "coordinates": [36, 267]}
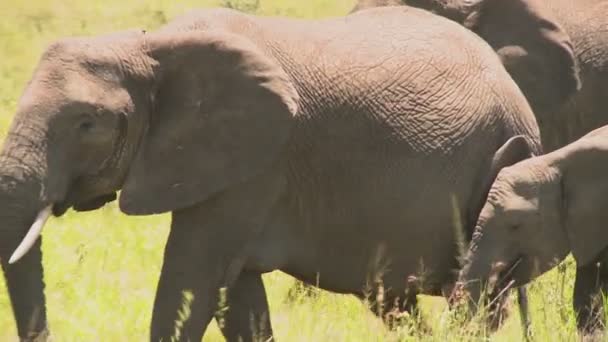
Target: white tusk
{"type": "Point", "coordinates": [32, 235]}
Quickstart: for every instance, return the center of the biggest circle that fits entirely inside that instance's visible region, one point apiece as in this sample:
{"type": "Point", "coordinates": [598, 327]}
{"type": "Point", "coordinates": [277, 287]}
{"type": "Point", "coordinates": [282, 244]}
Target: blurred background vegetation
{"type": "Point", "coordinates": [102, 267]}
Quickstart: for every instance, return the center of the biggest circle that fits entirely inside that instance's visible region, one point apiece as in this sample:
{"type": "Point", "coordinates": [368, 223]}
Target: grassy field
{"type": "Point", "coordinates": [102, 267]}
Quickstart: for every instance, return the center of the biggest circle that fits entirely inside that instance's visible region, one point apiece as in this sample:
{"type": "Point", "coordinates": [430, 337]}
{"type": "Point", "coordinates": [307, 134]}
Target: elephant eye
{"type": "Point", "coordinates": [86, 126]}
{"type": "Point", "coordinates": [514, 227]}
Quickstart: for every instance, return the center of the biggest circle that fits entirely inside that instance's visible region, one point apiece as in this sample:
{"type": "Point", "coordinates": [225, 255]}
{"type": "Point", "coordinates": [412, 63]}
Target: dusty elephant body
{"type": "Point", "coordinates": [312, 147]}
{"type": "Point", "coordinates": [537, 212]}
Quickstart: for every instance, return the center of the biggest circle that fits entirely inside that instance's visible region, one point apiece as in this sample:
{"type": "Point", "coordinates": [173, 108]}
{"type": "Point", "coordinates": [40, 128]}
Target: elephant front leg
{"type": "Point", "coordinates": [203, 260]}
{"type": "Point", "coordinates": [247, 317]}
{"type": "Point", "coordinates": [185, 293]}
{"type": "Point", "coordinates": [591, 280]}
{"type": "Point", "coordinates": [188, 288]}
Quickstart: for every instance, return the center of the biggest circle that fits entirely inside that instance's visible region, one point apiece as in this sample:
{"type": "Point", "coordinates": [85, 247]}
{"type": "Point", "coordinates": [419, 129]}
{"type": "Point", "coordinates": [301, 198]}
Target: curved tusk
{"type": "Point", "coordinates": [32, 235]}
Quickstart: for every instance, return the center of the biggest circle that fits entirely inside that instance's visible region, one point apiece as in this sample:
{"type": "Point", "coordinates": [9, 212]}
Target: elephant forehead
{"type": "Point", "coordinates": [518, 204]}
{"type": "Point", "coordinates": [55, 92]}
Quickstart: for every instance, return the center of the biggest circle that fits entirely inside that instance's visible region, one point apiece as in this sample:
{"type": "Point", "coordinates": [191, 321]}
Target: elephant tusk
{"type": "Point", "coordinates": [32, 235]}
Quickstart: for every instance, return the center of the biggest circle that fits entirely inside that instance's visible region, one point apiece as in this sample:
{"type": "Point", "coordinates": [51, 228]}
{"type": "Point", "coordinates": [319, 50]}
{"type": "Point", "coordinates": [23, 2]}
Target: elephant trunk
{"type": "Point", "coordinates": [25, 285]}
{"type": "Point", "coordinates": [481, 278]}
{"type": "Point", "coordinates": [24, 279]}
{"type": "Point", "coordinates": [473, 278]}
{"type": "Point", "coordinates": [22, 198]}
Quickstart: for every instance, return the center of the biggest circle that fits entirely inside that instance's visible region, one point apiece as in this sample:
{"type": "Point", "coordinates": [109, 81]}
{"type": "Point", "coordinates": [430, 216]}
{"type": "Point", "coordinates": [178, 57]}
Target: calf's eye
{"type": "Point", "coordinates": [86, 126]}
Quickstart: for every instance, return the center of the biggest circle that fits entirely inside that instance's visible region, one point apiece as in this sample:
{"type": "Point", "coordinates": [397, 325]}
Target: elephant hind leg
{"type": "Point", "coordinates": [591, 280]}
{"type": "Point", "coordinates": [395, 309]}
{"type": "Point", "coordinates": [246, 317]}
{"type": "Point", "coordinates": [407, 308]}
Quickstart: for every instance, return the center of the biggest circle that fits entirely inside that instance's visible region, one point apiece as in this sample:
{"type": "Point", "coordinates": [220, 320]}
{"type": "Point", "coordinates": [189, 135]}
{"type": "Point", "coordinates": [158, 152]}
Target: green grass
{"type": "Point", "coordinates": [102, 267]}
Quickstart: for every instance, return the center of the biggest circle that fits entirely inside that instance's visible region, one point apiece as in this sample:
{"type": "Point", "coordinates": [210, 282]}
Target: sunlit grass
{"type": "Point", "coordinates": [102, 267]}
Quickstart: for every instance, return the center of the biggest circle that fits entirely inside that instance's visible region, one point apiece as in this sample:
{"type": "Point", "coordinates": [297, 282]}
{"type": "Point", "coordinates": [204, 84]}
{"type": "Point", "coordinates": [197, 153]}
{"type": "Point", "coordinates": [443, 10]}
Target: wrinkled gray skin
{"type": "Point", "coordinates": [586, 23]}
{"type": "Point", "coordinates": [311, 147]}
{"type": "Point", "coordinates": [537, 212]}
{"type": "Point", "coordinates": [527, 36]}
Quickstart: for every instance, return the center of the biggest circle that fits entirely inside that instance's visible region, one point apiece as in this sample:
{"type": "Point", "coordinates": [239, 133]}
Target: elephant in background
{"type": "Point", "coordinates": [311, 147]}
{"type": "Point", "coordinates": [537, 212]}
{"type": "Point", "coordinates": [586, 22]}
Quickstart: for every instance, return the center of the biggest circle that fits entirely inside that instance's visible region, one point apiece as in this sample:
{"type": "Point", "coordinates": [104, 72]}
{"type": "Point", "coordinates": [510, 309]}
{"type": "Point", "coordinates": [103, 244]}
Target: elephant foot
{"type": "Point", "coordinates": [590, 322]}
{"type": "Point", "coordinates": [498, 312]}
{"type": "Point", "coordinates": [591, 281]}
{"type": "Point", "coordinates": [247, 318]}
{"type": "Point", "coordinates": [395, 319]}
{"type": "Point", "coordinates": [301, 290]}
{"type": "Point", "coordinates": [41, 336]}
{"type": "Point", "coordinates": [595, 336]}
{"type": "Point", "coordinates": [397, 312]}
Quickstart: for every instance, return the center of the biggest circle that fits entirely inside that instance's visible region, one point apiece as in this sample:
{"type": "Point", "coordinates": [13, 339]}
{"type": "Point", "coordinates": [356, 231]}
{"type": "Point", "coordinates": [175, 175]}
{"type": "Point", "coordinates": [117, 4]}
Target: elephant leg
{"type": "Point", "coordinates": [247, 317]}
{"type": "Point", "coordinates": [203, 260]}
{"type": "Point", "coordinates": [524, 311]}
{"type": "Point", "coordinates": [391, 309]}
{"type": "Point", "coordinates": [301, 290]}
{"type": "Point", "coordinates": [205, 254]}
{"type": "Point", "coordinates": [193, 272]}
{"type": "Point", "coordinates": [409, 305]}
{"type": "Point", "coordinates": [498, 310]}
{"type": "Point", "coordinates": [186, 293]}
{"type": "Point", "coordinates": [591, 280]}
{"type": "Point", "coordinates": [24, 280]}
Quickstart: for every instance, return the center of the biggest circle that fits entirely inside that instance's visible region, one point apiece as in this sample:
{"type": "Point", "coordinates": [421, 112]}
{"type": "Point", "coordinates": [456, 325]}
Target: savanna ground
{"type": "Point", "coordinates": [101, 267]}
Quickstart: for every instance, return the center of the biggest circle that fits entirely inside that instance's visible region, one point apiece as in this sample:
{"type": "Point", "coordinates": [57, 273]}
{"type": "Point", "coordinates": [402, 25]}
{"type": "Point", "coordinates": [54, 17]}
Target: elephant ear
{"type": "Point", "coordinates": [514, 150]}
{"type": "Point", "coordinates": [222, 114]}
{"type": "Point", "coordinates": [585, 189]}
{"type": "Point", "coordinates": [534, 48]}
{"type": "Point", "coordinates": [365, 4]}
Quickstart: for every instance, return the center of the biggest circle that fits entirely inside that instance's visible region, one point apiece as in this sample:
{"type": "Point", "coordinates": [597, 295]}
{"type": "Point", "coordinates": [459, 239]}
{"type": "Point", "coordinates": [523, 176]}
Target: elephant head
{"type": "Point", "coordinates": [533, 47]}
{"type": "Point", "coordinates": [539, 210]}
{"type": "Point", "coordinates": [171, 118]}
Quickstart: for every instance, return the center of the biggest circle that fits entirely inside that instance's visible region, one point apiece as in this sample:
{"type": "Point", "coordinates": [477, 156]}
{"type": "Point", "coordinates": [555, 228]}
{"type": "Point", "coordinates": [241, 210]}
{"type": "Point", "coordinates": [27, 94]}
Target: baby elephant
{"type": "Point", "coordinates": [539, 210]}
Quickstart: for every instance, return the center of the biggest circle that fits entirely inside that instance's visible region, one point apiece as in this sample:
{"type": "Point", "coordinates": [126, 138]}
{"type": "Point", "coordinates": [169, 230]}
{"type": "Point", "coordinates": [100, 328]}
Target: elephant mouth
{"type": "Point", "coordinates": [93, 203]}
{"type": "Point", "coordinates": [60, 208]}
{"type": "Point", "coordinates": [509, 275]}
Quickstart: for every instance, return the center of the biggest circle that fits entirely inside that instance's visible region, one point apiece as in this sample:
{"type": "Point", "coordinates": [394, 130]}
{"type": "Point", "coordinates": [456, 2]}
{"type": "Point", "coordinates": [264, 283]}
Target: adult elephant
{"type": "Point", "coordinates": [525, 45]}
{"type": "Point", "coordinates": [311, 147]}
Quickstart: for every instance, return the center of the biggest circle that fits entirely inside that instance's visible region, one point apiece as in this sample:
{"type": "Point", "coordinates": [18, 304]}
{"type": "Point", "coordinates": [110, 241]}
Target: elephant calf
{"type": "Point", "coordinates": [342, 157]}
{"type": "Point", "coordinates": [538, 211]}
